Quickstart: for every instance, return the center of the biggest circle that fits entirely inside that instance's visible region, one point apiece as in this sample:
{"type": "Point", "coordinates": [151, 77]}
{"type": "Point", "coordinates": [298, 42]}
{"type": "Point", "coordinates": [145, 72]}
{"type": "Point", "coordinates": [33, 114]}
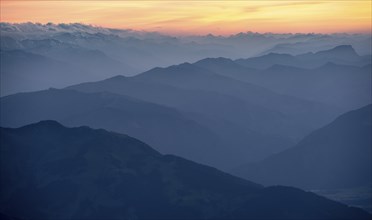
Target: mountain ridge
{"type": "Point", "coordinates": [347, 140]}
{"type": "Point", "coordinates": [165, 128]}
{"type": "Point", "coordinates": [138, 182]}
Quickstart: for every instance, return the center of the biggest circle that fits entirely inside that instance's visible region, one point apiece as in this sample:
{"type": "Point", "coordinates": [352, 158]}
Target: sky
{"type": "Point", "coordinates": [200, 17]}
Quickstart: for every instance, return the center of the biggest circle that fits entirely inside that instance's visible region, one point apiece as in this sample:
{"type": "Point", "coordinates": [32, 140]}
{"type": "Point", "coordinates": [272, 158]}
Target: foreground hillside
{"type": "Point", "coordinates": [53, 172]}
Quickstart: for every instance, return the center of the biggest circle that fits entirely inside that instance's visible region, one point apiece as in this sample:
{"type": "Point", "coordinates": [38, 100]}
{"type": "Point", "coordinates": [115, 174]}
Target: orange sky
{"type": "Point", "coordinates": [200, 17]}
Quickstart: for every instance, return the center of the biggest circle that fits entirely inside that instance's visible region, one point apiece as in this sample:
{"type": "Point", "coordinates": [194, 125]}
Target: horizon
{"type": "Point", "coordinates": [188, 35]}
{"type": "Point", "coordinates": [220, 18]}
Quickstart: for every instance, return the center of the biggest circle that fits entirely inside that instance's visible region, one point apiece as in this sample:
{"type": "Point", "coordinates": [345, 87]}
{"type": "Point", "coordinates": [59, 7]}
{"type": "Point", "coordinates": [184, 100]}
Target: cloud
{"type": "Point", "coordinates": [206, 16]}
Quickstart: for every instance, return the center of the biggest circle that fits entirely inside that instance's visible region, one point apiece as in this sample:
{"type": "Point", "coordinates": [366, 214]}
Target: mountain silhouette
{"type": "Point", "coordinates": [247, 115]}
{"type": "Point", "coordinates": [225, 67]}
{"type": "Point", "coordinates": [53, 172]}
{"type": "Point", "coordinates": [165, 128]}
{"type": "Point", "coordinates": [343, 54]}
{"type": "Point", "coordinates": [233, 119]}
{"type": "Point", "coordinates": [270, 106]}
{"type": "Point", "coordinates": [127, 52]}
{"type": "Point", "coordinates": [340, 53]}
{"type": "Point", "coordinates": [268, 60]}
{"type": "Point", "coordinates": [334, 83]}
{"type": "Point", "coordinates": [335, 156]}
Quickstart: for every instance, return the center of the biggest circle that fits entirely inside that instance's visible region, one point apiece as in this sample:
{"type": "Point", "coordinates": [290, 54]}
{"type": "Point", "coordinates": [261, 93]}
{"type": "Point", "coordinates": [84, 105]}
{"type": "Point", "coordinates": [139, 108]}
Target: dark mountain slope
{"type": "Point", "coordinates": [168, 130]}
{"type": "Point", "coordinates": [335, 156]}
{"type": "Point", "coordinates": [53, 172]}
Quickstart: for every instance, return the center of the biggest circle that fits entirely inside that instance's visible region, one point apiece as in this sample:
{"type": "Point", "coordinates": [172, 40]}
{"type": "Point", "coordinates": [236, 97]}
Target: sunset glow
{"type": "Point", "coordinates": [199, 17]}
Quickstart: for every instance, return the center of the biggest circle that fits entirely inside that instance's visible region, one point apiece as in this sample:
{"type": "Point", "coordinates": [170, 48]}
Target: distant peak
{"type": "Point", "coordinates": [340, 49]}
{"type": "Point", "coordinates": [118, 77]}
{"type": "Point", "coordinates": [223, 59]}
{"type": "Point", "coordinates": [46, 123]}
{"type": "Point", "coordinates": [218, 59]}
{"type": "Point", "coordinates": [344, 47]}
{"type": "Point", "coordinates": [180, 68]}
{"type": "Point", "coordinates": [185, 64]}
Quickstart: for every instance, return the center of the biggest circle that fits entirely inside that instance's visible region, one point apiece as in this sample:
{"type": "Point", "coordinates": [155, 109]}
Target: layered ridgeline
{"type": "Point", "coordinates": [338, 77]}
{"type": "Point", "coordinates": [53, 172]}
{"type": "Point", "coordinates": [202, 138]}
{"type": "Point", "coordinates": [241, 112]}
{"type": "Point", "coordinates": [337, 156]}
{"type": "Point", "coordinates": [168, 129]}
{"type": "Point", "coordinates": [343, 54]}
{"type": "Point", "coordinates": [94, 53]}
{"type": "Point", "coordinates": [235, 121]}
{"type": "Point", "coordinates": [345, 87]}
{"type": "Point", "coordinates": [190, 88]}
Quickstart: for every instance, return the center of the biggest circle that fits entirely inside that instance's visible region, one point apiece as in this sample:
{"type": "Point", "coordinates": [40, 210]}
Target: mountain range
{"type": "Point", "coordinates": [91, 53]}
{"type": "Point", "coordinates": [244, 104]}
{"type": "Point", "coordinates": [331, 82]}
{"type": "Point", "coordinates": [167, 129]}
{"type": "Point", "coordinates": [240, 119]}
{"type": "Point", "coordinates": [343, 54]}
{"type": "Point", "coordinates": [53, 172]}
{"type": "Point", "coordinates": [201, 138]}
{"type": "Point", "coordinates": [230, 109]}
